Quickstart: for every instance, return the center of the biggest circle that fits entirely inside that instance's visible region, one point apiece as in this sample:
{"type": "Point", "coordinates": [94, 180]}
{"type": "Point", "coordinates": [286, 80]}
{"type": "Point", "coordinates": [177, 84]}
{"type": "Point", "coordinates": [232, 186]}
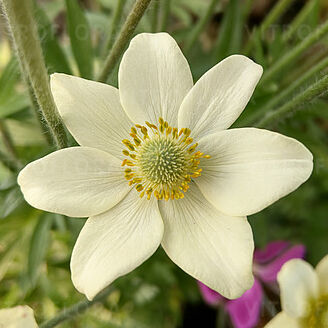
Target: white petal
{"type": "Point", "coordinates": [210, 246]}
{"type": "Point", "coordinates": [322, 272]}
{"type": "Point", "coordinates": [115, 242]}
{"type": "Point", "coordinates": [282, 320]}
{"type": "Point", "coordinates": [17, 317]}
{"type": "Point", "coordinates": [154, 77]}
{"type": "Point", "coordinates": [77, 181]}
{"type": "Point", "coordinates": [251, 168]}
{"type": "Point", "coordinates": [220, 95]}
{"type": "Point", "coordinates": [92, 112]}
{"type": "Point", "coordinates": [298, 284]}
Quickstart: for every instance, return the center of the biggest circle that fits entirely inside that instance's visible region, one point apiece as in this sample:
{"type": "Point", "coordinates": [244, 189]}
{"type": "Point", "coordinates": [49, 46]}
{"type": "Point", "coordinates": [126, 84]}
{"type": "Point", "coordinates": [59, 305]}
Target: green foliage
{"type": "Point", "coordinates": [79, 33]}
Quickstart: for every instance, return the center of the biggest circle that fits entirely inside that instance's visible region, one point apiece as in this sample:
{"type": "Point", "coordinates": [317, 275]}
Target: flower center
{"type": "Point", "coordinates": [161, 160]}
{"type": "Point", "coordinates": [318, 314]}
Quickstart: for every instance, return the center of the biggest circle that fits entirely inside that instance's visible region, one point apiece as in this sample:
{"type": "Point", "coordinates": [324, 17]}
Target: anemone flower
{"type": "Point", "coordinates": [157, 166]}
{"type": "Point", "coordinates": [21, 316]}
{"type": "Point", "coordinates": [303, 295]}
{"type": "Point", "coordinates": [245, 311]}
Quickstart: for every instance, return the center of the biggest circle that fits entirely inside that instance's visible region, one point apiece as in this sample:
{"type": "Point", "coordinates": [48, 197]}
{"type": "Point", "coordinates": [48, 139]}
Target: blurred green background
{"type": "Point", "coordinates": [35, 247]}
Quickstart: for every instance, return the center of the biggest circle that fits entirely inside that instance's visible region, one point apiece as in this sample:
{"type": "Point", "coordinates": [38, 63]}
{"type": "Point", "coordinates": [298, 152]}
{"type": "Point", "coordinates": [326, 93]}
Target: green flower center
{"type": "Point", "coordinates": [161, 160]}
{"type": "Point", "coordinates": [318, 314]}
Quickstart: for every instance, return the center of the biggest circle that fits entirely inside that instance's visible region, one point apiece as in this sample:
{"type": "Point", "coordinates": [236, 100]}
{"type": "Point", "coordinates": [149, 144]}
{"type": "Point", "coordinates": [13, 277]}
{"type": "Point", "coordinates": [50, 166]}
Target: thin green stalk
{"type": "Point", "coordinates": [313, 91]}
{"type": "Point", "coordinates": [165, 14]}
{"type": "Point", "coordinates": [27, 44]}
{"type": "Point", "coordinates": [43, 125]}
{"type": "Point", "coordinates": [124, 37]}
{"type": "Point", "coordinates": [287, 92]}
{"type": "Point", "coordinates": [298, 20]}
{"type": "Point", "coordinates": [7, 140]}
{"type": "Point", "coordinates": [154, 16]}
{"type": "Point", "coordinates": [115, 25]}
{"type": "Point", "coordinates": [202, 22]}
{"type": "Point", "coordinates": [274, 14]}
{"type": "Point", "coordinates": [291, 55]}
{"type": "Point", "coordinates": [76, 309]}
{"type": "Point", "coordinates": [8, 162]}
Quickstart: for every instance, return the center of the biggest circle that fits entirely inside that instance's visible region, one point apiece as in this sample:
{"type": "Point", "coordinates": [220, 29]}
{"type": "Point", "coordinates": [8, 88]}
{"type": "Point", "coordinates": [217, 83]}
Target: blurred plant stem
{"type": "Point", "coordinates": [298, 20]}
{"type": "Point", "coordinates": [8, 162]}
{"type": "Point", "coordinates": [313, 91]}
{"type": "Point", "coordinates": [291, 55]}
{"type": "Point", "coordinates": [76, 309]}
{"type": "Point", "coordinates": [114, 26]}
{"type": "Point", "coordinates": [274, 14]}
{"type": "Point", "coordinates": [123, 38]}
{"type": "Point", "coordinates": [166, 7]}
{"type": "Point", "coordinates": [27, 44]}
{"type": "Point", "coordinates": [286, 92]}
{"type": "Point", "coordinates": [7, 140]}
{"type": "Point", "coordinates": [202, 22]}
{"type": "Point", "coordinates": [154, 16]}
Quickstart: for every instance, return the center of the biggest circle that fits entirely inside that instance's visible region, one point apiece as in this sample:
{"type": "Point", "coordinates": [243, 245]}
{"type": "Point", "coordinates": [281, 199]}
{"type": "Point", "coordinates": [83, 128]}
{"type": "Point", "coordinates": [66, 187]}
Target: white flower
{"type": "Point", "coordinates": [152, 126]}
{"type": "Point", "coordinates": [17, 317]}
{"type": "Point", "coordinates": [304, 295]}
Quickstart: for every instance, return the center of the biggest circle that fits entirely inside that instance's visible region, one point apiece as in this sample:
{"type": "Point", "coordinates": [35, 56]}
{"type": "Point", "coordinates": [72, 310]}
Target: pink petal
{"type": "Point", "coordinates": [245, 310]}
{"type": "Point", "coordinates": [271, 250]}
{"type": "Point", "coordinates": [268, 272]}
{"type": "Point", "coordinates": [210, 296]}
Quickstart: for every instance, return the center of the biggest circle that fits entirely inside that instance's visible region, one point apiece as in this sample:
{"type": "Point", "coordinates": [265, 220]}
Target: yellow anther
{"type": "Point", "coordinates": [134, 130]}
{"type": "Point", "coordinates": [166, 125]}
{"type": "Point", "coordinates": [161, 121]}
{"type": "Point", "coordinates": [125, 152]}
{"type": "Point", "coordinates": [186, 132]}
{"type": "Point", "coordinates": [138, 126]}
{"type": "Point", "coordinates": [207, 156]}
{"type": "Point", "coordinates": [139, 187]}
{"type": "Point", "coordinates": [142, 194]}
{"type": "Point", "coordinates": [137, 141]}
{"type": "Point", "coordinates": [192, 148]}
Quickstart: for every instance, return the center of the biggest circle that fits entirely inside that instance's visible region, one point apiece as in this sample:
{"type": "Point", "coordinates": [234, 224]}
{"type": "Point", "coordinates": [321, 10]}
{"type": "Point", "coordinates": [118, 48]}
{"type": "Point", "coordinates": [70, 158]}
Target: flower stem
{"type": "Point", "coordinates": [200, 25]}
{"type": "Point", "coordinates": [7, 140]}
{"type": "Point", "coordinates": [274, 14]}
{"type": "Point", "coordinates": [287, 92]}
{"type": "Point", "coordinates": [165, 14]}
{"type": "Point", "coordinates": [8, 162]}
{"type": "Point", "coordinates": [115, 24]}
{"type": "Point", "coordinates": [290, 56]}
{"type": "Point", "coordinates": [124, 37]}
{"type": "Point", "coordinates": [27, 44]}
{"type": "Point", "coordinates": [299, 19]}
{"type": "Point", "coordinates": [76, 309]}
{"type": "Point", "coordinates": [154, 16]}
{"type": "Point", "coordinates": [313, 91]}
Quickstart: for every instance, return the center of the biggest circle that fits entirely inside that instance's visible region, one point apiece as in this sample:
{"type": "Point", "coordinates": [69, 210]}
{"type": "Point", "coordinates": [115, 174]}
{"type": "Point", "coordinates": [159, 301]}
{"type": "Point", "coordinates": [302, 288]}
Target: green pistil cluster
{"type": "Point", "coordinates": [318, 314]}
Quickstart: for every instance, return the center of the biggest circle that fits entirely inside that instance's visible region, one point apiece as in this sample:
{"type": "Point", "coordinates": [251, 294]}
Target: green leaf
{"type": "Point", "coordinates": [80, 36]}
{"type": "Point", "coordinates": [13, 104]}
{"type": "Point", "coordinates": [9, 201]}
{"type": "Point", "coordinates": [38, 246]}
{"type": "Point", "coordinates": [54, 56]}
{"type": "Point", "coordinates": [8, 78]}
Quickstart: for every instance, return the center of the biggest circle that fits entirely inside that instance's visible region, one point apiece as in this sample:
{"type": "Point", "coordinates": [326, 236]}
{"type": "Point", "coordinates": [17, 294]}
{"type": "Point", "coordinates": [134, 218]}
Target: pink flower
{"type": "Point", "coordinates": [244, 311]}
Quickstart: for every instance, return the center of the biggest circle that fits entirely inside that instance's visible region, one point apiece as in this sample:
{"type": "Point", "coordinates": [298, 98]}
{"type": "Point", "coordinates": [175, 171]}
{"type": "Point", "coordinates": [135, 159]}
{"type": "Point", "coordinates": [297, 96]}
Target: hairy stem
{"type": "Point", "coordinates": [200, 25]}
{"type": "Point", "coordinates": [27, 44]}
{"type": "Point", "coordinates": [76, 309]}
{"type": "Point", "coordinates": [115, 24]}
{"type": "Point", "coordinates": [287, 92]}
{"type": "Point", "coordinates": [313, 91]}
{"type": "Point", "coordinates": [124, 37]}
{"type": "Point", "coordinates": [290, 56]}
